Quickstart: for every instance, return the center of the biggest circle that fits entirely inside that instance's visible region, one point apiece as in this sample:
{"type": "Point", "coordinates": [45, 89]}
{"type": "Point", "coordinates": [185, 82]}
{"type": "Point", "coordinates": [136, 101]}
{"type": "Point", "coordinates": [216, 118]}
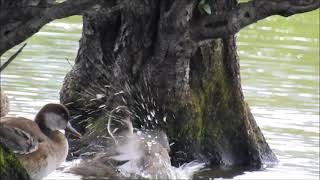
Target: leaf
{"type": "Point", "coordinates": [206, 8]}
{"type": "Point", "coordinates": [202, 2]}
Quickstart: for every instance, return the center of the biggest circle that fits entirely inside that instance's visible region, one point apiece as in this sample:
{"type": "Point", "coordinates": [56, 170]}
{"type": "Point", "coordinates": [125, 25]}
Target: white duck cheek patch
{"type": "Point", "coordinates": [54, 121]}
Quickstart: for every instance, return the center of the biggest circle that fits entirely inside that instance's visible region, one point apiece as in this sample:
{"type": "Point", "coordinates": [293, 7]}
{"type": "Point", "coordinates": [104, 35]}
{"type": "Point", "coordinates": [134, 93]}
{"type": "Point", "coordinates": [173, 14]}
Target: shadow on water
{"type": "Point", "coordinates": [226, 172]}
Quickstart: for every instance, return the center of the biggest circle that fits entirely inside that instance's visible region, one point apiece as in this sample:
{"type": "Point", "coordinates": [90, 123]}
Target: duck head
{"type": "Point", "coordinates": [53, 117]}
{"type": "Point", "coordinates": [119, 123]}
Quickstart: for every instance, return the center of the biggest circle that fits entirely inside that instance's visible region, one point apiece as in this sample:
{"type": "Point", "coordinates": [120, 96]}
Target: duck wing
{"type": "Point", "coordinates": [17, 140]}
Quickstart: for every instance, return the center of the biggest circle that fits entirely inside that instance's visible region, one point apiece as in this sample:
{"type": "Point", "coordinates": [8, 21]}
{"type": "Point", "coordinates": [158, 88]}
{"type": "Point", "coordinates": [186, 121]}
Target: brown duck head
{"type": "Point", "coordinates": [53, 117]}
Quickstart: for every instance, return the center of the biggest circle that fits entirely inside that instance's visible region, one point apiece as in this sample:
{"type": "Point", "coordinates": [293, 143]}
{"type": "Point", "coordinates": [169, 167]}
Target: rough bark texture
{"type": "Point", "coordinates": [20, 19]}
{"type": "Point", "coordinates": [146, 58]}
{"type": "Point", "coordinates": [230, 22]}
{"type": "Point", "coordinates": [10, 167]}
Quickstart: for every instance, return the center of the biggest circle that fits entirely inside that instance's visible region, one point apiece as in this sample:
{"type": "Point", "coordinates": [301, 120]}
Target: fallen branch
{"type": "Point", "coordinates": [4, 65]}
{"type": "Point", "coordinates": [225, 24]}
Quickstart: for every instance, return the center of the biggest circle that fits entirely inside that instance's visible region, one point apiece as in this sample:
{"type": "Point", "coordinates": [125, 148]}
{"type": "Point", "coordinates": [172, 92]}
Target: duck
{"type": "Point", "coordinates": [38, 145]}
{"type": "Point", "coordinates": [134, 153]}
{"type": "Point", "coordinates": [4, 103]}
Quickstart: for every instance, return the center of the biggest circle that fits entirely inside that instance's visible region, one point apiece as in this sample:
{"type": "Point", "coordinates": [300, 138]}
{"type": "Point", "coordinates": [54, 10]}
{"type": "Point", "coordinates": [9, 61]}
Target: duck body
{"type": "Point", "coordinates": [146, 153]}
{"type": "Point", "coordinates": [132, 154]}
{"type": "Point", "coordinates": [45, 154]}
{"type": "Point", "coordinates": [139, 155]}
{"type": "Point", "coordinates": [38, 145]}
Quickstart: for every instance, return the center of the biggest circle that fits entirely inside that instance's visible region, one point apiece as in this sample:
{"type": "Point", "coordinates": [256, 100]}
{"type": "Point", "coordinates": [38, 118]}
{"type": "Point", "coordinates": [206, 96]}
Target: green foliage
{"type": "Point", "coordinates": [204, 6]}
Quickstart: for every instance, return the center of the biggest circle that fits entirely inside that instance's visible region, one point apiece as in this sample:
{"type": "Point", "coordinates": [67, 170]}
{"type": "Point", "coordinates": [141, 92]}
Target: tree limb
{"type": "Point", "coordinates": [4, 65]}
{"type": "Point", "coordinates": [224, 24]}
{"type": "Point", "coordinates": [46, 15]}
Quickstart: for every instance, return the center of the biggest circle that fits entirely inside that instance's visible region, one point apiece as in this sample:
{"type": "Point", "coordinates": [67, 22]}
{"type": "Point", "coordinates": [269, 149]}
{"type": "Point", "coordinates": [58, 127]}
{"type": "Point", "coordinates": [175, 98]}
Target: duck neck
{"type": "Point", "coordinates": [55, 136]}
{"type": "Point", "coordinates": [45, 130]}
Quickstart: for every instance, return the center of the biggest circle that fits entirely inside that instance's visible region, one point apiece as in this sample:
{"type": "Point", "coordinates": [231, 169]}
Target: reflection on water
{"type": "Point", "coordinates": [35, 76]}
{"type": "Point", "coordinates": [280, 79]}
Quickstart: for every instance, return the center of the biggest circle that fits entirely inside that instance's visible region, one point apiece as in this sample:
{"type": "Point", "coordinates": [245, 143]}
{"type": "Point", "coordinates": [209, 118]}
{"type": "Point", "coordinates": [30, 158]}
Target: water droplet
{"type": "Point", "coordinates": [102, 106]}
{"type": "Point", "coordinates": [165, 119]}
{"type": "Point", "coordinates": [152, 113]}
{"type": "Point", "coordinates": [120, 92]}
{"type": "Point", "coordinates": [99, 96]}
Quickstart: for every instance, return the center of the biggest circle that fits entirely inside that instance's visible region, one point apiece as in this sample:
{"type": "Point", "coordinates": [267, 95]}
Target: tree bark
{"type": "Point", "coordinates": [10, 167]}
{"type": "Point", "coordinates": [145, 57]}
{"type": "Point", "coordinates": [165, 60]}
{"type": "Point", "coordinates": [20, 19]}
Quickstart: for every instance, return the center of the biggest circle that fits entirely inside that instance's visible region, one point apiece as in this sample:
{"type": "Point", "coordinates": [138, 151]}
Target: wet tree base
{"type": "Point", "coordinates": [145, 57]}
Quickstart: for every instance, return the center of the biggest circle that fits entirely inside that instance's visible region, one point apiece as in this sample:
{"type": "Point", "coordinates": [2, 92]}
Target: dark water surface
{"type": "Point", "coordinates": [280, 77]}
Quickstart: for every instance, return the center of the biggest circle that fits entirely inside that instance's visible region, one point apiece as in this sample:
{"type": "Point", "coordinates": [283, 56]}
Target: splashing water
{"type": "Point", "coordinates": [185, 171]}
{"type": "Point", "coordinates": [145, 154]}
{"type": "Point", "coordinates": [145, 151]}
{"type": "Point", "coordinates": [154, 161]}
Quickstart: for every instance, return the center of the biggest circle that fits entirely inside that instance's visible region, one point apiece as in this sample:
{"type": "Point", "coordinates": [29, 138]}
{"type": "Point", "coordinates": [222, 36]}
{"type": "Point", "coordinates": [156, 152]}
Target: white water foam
{"type": "Point", "coordinates": [147, 154]}
{"type": "Point", "coordinates": [185, 171]}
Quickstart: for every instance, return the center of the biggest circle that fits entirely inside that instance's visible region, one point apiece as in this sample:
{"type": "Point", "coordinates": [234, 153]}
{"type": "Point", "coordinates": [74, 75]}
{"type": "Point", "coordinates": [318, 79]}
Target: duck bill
{"type": "Point", "coordinates": [72, 131]}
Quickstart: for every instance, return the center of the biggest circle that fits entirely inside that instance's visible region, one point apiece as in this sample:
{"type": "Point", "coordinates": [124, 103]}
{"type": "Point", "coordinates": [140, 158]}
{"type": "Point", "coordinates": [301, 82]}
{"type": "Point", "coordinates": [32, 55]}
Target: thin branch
{"type": "Point", "coordinates": [4, 65]}
{"type": "Point", "coordinates": [229, 23]}
{"type": "Point", "coordinates": [57, 11]}
{"type": "Point", "coordinates": [69, 62]}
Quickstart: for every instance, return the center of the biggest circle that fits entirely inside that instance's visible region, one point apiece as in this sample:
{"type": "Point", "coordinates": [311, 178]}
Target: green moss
{"type": "Point", "coordinates": [194, 127]}
{"type": "Point", "coordinates": [10, 167]}
{"type": "Point", "coordinates": [209, 91]}
{"type": "Point", "coordinates": [98, 126]}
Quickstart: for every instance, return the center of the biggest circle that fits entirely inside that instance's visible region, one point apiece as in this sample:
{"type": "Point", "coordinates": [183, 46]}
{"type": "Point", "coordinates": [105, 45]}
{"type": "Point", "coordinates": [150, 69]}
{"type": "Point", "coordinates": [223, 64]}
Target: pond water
{"type": "Point", "coordinates": [279, 61]}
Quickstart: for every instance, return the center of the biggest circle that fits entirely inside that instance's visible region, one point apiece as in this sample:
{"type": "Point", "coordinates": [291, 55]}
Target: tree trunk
{"type": "Point", "coordinates": [10, 167]}
{"type": "Point", "coordinates": [145, 57]}
{"type": "Point", "coordinates": [155, 57]}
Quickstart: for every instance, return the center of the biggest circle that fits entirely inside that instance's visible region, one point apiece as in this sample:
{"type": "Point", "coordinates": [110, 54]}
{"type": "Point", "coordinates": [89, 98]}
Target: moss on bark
{"type": "Point", "coordinates": [196, 86]}
{"type": "Point", "coordinates": [10, 167]}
